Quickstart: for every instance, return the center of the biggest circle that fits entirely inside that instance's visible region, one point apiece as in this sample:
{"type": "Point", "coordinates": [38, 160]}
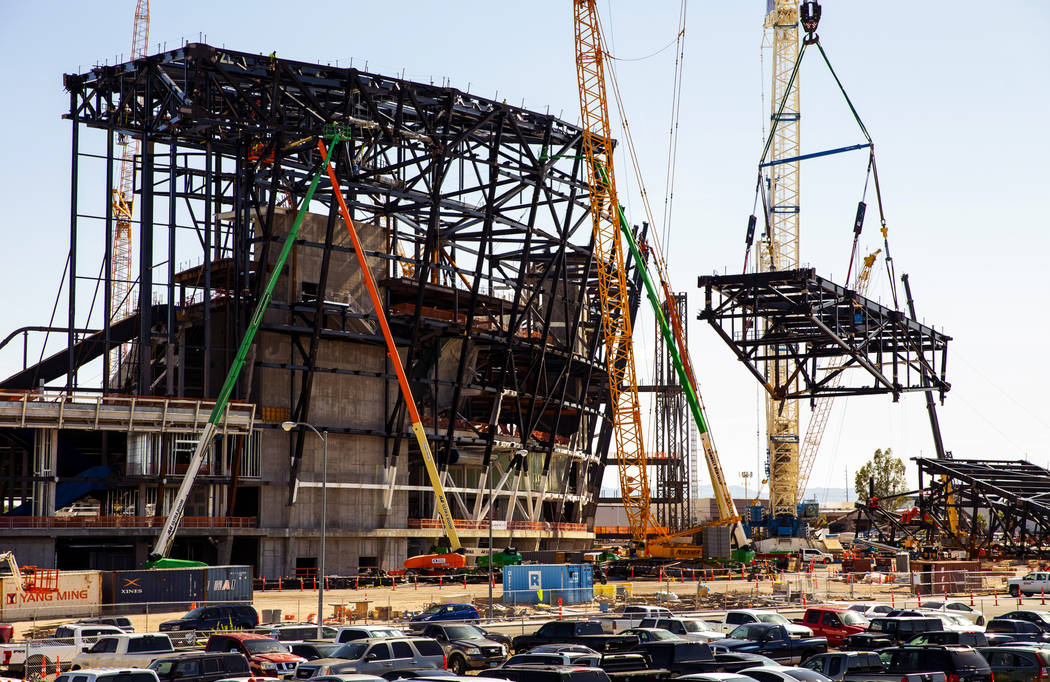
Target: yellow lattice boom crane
{"type": "Point", "coordinates": [610, 265]}
{"type": "Point", "coordinates": [120, 293]}
{"type": "Point", "coordinates": [780, 248]}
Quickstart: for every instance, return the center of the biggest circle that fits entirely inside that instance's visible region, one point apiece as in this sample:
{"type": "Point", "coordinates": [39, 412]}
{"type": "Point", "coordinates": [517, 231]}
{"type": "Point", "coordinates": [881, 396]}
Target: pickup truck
{"type": "Point", "coordinates": [834, 624]}
{"type": "Point", "coordinates": [40, 655]}
{"type": "Point", "coordinates": [586, 632]}
{"type": "Point", "coordinates": [771, 640]}
{"type": "Point", "coordinates": [687, 628]}
{"type": "Point", "coordinates": [863, 666]}
{"type": "Point", "coordinates": [814, 556]}
{"type": "Point", "coordinates": [632, 617]}
{"type": "Point", "coordinates": [123, 651]}
{"type": "Point", "coordinates": [1031, 583]}
{"type": "Point", "coordinates": [266, 656]}
{"type": "Point", "coordinates": [734, 619]}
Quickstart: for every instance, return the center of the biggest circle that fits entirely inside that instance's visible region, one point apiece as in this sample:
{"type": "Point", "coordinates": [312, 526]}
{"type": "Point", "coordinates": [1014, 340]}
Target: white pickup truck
{"type": "Point", "coordinates": [632, 616]}
{"type": "Point", "coordinates": [735, 619]}
{"type": "Point", "coordinates": [1031, 583]}
{"type": "Point", "coordinates": [43, 655]}
{"type": "Point", "coordinates": [123, 651]}
{"type": "Point", "coordinates": [810, 555]}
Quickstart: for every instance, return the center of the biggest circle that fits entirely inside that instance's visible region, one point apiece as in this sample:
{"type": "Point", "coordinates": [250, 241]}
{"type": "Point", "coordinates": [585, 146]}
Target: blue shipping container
{"type": "Point", "coordinates": [228, 583]}
{"type": "Point", "coordinates": [177, 585]}
{"type": "Point", "coordinates": [547, 583]}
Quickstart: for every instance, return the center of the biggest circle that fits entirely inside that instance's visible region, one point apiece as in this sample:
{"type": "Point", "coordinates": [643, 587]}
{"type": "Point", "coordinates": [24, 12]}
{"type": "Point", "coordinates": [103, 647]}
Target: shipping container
{"type": "Point", "coordinates": [79, 593]}
{"type": "Point", "coordinates": [547, 583]}
{"type": "Point", "coordinates": [178, 585]}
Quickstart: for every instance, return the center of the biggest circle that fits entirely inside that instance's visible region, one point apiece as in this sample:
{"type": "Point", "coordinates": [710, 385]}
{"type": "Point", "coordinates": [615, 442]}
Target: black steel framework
{"type": "Point", "coordinates": [671, 452]}
{"type": "Point", "coordinates": [1003, 505]}
{"type": "Point", "coordinates": [483, 207]}
{"type": "Point", "coordinates": [809, 321]}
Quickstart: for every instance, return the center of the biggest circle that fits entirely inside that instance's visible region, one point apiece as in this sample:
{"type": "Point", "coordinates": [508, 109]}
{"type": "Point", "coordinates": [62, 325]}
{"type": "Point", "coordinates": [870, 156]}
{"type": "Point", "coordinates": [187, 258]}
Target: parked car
{"type": "Point", "coordinates": [123, 651]}
{"type": "Point", "coordinates": [200, 666]}
{"type": "Point", "coordinates": [632, 616]}
{"type": "Point", "coordinates": [313, 650]}
{"type": "Point", "coordinates": [692, 629]}
{"type": "Point", "coordinates": [208, 618]}
{"type": "Point", "coordinates": [377, 656]}
{"type": "Point", "coordinates": [1017, 664]}
{"type": "Point", "coordinates": [350, 634]}
{"type": "Point", "coordinates": [585, 632]}
{"type": "Point", "coordinates": [122, 622]}
{"type": "Point", "coordinates": [774, 641]}
{"type": "Point", "coordinates": [1018, 630]}
{"type": "Point", "coordinates": [652, 634]}
{"type": "Point", "coordinates": [466, 647]}
{"type": "Point", "coordinates": [37, 656]}
{"type": "Point", "coordinates": [956, 608]}
{"type": "Point", "coordinates": [295, 632]}
{"type": "Point", "coordinates": [783, 673]}
{"type": "Point", "coordinates": [550, 673]}
{"type": "Point", "coordinates": [952, 637]}
{"type": "Point", "coordinates": [1032, 583]}
{"type": "Point", "coordinates": [862, 666]}
{"type": "Point", "coordinates": [108, 675]}
{"type": "Point", "coordinates": [736, 618]}
{"type": "Point", "coordinates": [959, 663]}
{"type": "Point", "coordinates": [716, 677]}
{"type": "Point", "coordinates": [833, 623]}
{"type": "Point", "coordinates": [554, 658]}
{"type": "Point", "coordinates": [810, 555]}
{"type": "Point", "coordinates": [1040, 618]}
{"type": "Point", "coordinates": [266, 656]}
{"type": "Point", "coordinates": [465, 613]}
{"type": "Point", "coordinates": [871, 609]}
{"type": "Point", "coordinates": [885, 632]}
{"type": "Point", "coordinates": [354, 677]}
{"type": "Point", "coordinates": [564, 648]}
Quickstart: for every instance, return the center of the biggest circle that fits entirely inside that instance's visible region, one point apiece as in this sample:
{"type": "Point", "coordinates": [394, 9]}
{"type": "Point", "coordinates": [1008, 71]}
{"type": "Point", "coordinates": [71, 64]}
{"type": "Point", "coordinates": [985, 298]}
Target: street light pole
{"type": "Point", "coordinates": [288, 426]}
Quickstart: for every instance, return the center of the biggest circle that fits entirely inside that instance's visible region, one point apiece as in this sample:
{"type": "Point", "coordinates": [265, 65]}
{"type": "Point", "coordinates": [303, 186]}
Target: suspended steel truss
{"type": "Point", "coordinates": [832, 340]}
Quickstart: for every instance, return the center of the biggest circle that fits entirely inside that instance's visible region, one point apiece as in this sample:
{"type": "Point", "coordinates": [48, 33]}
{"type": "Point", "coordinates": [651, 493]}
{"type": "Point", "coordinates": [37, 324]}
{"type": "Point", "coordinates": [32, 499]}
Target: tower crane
{"type": "Point", "coordinates": [781, 246]}
{"type": "Point", "coordinates": [123, 199]}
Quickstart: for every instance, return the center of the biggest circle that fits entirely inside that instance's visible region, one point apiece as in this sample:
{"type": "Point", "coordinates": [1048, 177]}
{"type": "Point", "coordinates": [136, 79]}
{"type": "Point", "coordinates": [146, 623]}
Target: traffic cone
{"type": "Point", "coordinates": [971, 597]}
{"type": "Point", "coordinates": [415, 582]}
{"type": "Point", "coordinates": [995, 596]}
{"type": "Point", "coordinates": [357, 582]}
{"type": "Point", "coordinates": [464, 581]}
{"type": "Point", "coordinates": [893, 604]}
{"type": "Point", "coordinates": [441, 581]}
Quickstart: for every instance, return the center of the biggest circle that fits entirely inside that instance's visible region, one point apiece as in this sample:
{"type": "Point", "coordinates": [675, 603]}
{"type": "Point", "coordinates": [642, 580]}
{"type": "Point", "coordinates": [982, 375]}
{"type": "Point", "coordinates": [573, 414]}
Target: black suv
{"type": "Point", "coordinates": [884, 632]}
{"type": "Point", "coordinates": [1018, 630]}
{"type": "Point", "coordinates": [227, 617]}
{"type": "Point", "coordinates": [958, 663]}
{"type": "Point", "coordinates": [1040, 618]}
{"type": "Point", "coordinates": [200, 667]}
{"type": "Point", "coordinates": [951, 637]}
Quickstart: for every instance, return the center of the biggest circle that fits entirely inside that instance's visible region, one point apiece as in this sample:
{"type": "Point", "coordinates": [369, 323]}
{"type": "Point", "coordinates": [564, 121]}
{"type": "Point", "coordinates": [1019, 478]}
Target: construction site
{"type": "Point", "coordinates": [325, 320]}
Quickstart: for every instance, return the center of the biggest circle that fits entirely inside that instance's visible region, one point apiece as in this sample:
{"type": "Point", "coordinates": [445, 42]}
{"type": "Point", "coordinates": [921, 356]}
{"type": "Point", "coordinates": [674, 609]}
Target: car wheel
{"type": "Point", "coordinates": [1014, 590]}
{"type": "Point", "coordinates": [457, 665]}
{"type": "Point", "coordinates": [980, 620]}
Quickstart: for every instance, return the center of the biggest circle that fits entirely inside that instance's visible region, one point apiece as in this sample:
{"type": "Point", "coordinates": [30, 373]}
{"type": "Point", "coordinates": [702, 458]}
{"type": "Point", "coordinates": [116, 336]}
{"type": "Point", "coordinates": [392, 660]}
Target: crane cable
{"type": "Point", "coordinates": [871, 163]}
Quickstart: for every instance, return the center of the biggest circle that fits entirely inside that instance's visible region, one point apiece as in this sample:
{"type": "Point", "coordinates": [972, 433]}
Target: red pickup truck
{"type": "Point", "coordinates": [266, 656]}
{"type": "Point", "coordinates": [834, 624]}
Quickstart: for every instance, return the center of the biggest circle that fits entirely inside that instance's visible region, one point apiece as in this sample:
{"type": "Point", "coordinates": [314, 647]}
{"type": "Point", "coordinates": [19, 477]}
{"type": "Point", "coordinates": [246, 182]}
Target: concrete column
{"type": "Point", "coordinates": [45, 453]}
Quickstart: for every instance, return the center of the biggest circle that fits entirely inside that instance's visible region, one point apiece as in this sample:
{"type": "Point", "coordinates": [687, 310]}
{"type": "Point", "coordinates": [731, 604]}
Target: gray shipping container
{"type": "Point", "coordinates": [177, 585]}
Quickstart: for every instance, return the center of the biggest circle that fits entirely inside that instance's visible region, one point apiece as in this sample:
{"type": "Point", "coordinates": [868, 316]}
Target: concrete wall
{"type": "Point", "coordinates": [39, 551]}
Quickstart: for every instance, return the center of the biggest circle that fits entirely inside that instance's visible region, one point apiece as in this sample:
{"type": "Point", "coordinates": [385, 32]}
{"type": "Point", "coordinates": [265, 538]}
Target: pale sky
{"type": "Point", "coordinates": [956, 97]}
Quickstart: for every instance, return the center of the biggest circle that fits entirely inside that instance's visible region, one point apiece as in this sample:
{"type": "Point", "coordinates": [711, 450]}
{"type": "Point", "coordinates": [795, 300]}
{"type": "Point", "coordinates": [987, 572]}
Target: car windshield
{"type": "Point", "coordinates": [968, 658]}
{"type": "Point", "coordinates": [774, 618]}
{"type": "Point", "coordinates": [352, 651]}
{"type": "Point", "coordinates": [326, 650]}
{"type": "Point", "coordinates": [691, 626]}
{"type": "Point", "coordinates": [853, 618]}
{"type": "Point", "coordinates": [877, 625]}
{"type": "Point", "coordinates": [436, 608]}
{"type": "Point", "coordinates": [163, 667]}
{"type": "Point", "coordinates": [194, 613]}
{"type": "Point", "coordinates": [859, 607]}
{"type": "Point", "coordinates": [464, 632]}
{"type": "Point", "coordinates": [654, 633]}
{"type": "Point", "coordinates": [933, 604]}
{"type": "Point", "coordinates": [805, 675]}
{"type": "Point", "coordinates": [706, 625]}
{"type": "Point", "coordinates": [265, 646]}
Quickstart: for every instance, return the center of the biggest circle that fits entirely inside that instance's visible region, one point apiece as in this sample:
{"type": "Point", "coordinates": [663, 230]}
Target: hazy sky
{"type": "Point", "coordinates": [956, 97]}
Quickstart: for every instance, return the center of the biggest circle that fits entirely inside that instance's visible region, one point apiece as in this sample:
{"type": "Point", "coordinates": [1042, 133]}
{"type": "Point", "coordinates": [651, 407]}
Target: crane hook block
{"type": "Point", "coordinates": [809, 13]}
{"type": "Point", "coordinates": [858, 222]}
{"type": "Point", "coordinates": [751, 230]}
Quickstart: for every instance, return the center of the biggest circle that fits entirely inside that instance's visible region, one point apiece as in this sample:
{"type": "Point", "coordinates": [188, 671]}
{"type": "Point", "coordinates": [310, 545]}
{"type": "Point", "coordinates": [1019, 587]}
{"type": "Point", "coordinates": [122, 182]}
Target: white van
{"type": "Point", "coordinates": [109, 675]}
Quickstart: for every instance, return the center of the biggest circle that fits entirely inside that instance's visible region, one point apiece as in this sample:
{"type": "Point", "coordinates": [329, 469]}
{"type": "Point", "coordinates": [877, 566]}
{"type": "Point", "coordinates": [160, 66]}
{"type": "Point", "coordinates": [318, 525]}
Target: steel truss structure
{"type": "Point", "coordinates": [479, 216]}
{"type": "Point", "coordinates": [822, 330]}
{"type": "Point", "coordinates": [672, 454]}
{"type": "Point", "coordinates": [1003, 506]}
